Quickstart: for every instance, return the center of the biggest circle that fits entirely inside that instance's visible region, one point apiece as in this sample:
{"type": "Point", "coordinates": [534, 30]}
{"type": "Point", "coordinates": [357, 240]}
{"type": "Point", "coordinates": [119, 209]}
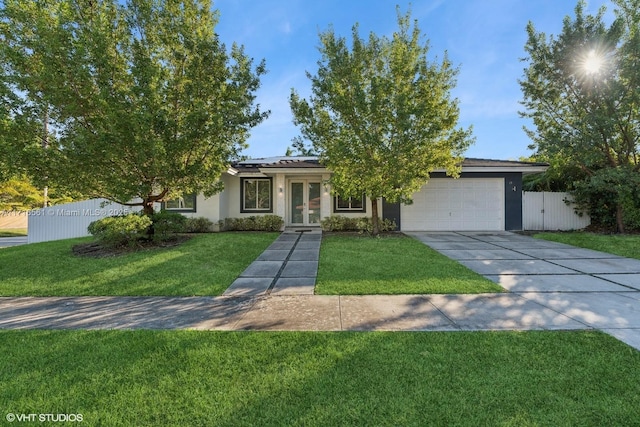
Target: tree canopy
{"type": "Point", "coordinates": [582, 90]}
{"type": "Point", "coordinates": [381, 115]}
{"type": "Point", "coordinates": [136, 102]}
{"type": "Point", "coordinates": [18, 193]}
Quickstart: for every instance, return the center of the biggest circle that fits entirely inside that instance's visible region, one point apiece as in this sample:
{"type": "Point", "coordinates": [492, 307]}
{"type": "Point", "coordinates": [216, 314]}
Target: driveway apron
{"type": "Point", "coordinates": [597, 289]}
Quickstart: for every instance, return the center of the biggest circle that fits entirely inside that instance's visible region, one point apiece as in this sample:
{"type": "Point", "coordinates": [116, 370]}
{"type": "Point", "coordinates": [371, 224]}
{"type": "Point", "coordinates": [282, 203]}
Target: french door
{"type": "Point", "coordinates": [304, 202]}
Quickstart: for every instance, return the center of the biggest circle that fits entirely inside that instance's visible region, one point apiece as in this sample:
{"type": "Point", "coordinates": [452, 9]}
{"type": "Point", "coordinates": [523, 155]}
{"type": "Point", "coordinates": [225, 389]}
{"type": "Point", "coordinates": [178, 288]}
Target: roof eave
{"type": "Point", "coordinates": [522, 169]}
{"type": "Point", "coordinates": [295, 171]}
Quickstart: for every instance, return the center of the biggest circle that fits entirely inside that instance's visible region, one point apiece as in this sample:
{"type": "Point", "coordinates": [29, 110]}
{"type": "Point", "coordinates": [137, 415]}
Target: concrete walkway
{"type": "Point", "coordinates": [289, 266]}
{"type": "Point", "coordinates": [552, 287]}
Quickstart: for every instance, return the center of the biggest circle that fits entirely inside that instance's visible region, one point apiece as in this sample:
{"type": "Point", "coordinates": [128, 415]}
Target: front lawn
{"type": "Point", "coordinates": [188, 378]}
{"type": "Point", "coordinates": [204, 265]}
{"type": "Point", "coordinates": [361, 265]}
{"type": "Point", "coordinates": [623, 245]}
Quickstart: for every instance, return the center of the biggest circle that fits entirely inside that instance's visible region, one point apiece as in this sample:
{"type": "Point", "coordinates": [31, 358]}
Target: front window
{"type": "Point", "coordinates": [184, 203]}
{"type": "Point", "coordinates": [349, 204]}
{"type": "Point", "coordinates": [256, 195]}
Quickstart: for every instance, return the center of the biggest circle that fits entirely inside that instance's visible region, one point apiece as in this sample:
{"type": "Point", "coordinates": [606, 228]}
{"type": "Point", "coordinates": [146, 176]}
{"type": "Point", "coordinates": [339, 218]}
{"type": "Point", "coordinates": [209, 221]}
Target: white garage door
{"type": "Point", "coordinates": [465, 204]}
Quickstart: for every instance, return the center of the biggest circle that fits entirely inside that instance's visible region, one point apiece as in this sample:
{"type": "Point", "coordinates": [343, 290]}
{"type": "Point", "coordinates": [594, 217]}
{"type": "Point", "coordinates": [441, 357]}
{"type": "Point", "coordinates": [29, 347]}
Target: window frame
{"type": "Point", "coordinates": [337, 209]}
{"type": "Point", "coordinates": [243, 208]}
{"type": "Point", "coordinates": [163, 205]}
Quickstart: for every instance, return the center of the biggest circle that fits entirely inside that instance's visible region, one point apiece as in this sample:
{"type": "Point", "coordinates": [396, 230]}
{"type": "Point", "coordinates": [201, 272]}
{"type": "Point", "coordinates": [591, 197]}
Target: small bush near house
{"type": "Point", "coordinates": [361, 224]}
{"type": "Point", "coordinates": [124, 230]}
{"type": "Point", "coordinates": [167, 223]}
{"type": "Point", "coordinates": [254, 223]}
{"type": "Point", "coordinates": [339, 223]}
{"type": "Point", "coordinates": [386, 225]}
{"type": "Point", "coordinates": [198, 225]}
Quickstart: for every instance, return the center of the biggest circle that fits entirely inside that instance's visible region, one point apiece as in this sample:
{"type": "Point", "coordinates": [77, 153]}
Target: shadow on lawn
{"type": "Point", "coordinates": [204, 265]}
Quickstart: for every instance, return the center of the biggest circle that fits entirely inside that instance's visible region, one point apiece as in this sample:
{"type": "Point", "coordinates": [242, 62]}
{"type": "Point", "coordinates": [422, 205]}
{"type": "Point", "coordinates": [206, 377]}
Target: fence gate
{"type": "Point", "coordinates": [548, 211]}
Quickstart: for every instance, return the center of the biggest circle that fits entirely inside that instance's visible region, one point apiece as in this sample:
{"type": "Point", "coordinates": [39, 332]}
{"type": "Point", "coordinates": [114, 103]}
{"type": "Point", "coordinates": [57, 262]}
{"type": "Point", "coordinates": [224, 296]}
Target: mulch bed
{"type": "Point", "coordinates": [97, 250]}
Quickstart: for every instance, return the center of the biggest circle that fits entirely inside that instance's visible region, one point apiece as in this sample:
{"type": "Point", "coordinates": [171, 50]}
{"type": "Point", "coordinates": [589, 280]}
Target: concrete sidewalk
{"type": "Point", "coordinates": [287, 313]}
{"type": "Point", "coordinates": [617, 314]}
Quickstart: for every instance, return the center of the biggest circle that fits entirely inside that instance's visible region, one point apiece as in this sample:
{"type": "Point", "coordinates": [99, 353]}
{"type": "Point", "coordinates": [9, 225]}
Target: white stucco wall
{"type": "Point", "coordinates": [227, 203]}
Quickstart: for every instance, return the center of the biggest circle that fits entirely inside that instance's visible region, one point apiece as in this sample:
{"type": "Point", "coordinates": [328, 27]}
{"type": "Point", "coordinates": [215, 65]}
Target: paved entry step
{"type": "Point", "coordinates": [289, 266]}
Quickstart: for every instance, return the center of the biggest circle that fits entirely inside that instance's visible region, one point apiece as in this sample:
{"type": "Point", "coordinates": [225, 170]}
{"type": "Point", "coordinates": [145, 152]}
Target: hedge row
{"type": "Point", "coordinates": [359, 224]}
{"type": "Point", "coordinates": [132, 228]}
{"type": "Point", "coordinates": [253, 223]}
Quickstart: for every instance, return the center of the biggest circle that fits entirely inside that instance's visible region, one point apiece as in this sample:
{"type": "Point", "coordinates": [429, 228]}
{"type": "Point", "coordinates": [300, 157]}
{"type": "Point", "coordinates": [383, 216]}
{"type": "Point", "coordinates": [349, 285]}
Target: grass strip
{"type": "Point", "coordinates": [626, 245]}
{"type": "Point", "coordinates": [361, 265]}
{"type": "Point", "coordinates": [13, 232]}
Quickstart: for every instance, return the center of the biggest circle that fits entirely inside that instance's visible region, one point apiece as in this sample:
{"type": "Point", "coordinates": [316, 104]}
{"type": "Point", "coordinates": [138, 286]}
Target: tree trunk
{"type": "Point", "coordinates": [374, 217]}
{"type": "Point", "coordinates": [147, 207]}
{"type": "Point", "coordinates": [45, 145]}
{"type": "Point", "coordinates": [620, 218]}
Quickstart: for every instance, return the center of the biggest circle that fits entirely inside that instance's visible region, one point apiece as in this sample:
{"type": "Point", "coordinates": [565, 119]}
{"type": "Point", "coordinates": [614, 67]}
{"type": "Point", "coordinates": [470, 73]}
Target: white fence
{"type": "Point", "coordinates": [548, 211]}
{"type": "Point", "coordinates": [71, 219]}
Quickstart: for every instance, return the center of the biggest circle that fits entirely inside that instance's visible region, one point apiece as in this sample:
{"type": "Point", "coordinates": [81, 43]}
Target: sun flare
{"type": "Point", "coordinates": [593, 62]}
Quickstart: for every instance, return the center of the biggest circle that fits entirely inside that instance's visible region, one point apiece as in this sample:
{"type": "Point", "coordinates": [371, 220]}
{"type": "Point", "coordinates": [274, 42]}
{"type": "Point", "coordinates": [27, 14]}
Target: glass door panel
{"type": "Point", "coordinates": [314, 203]}
{"type": "Point", "coordinates": [297, 203]}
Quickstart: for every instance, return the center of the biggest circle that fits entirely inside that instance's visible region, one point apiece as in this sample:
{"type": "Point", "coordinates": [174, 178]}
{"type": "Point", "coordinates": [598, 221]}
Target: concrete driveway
{"type": "Point", "coordinates": [597, 289]}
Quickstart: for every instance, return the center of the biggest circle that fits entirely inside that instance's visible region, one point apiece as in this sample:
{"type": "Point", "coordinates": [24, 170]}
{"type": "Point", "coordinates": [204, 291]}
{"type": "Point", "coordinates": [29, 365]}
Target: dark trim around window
{"type": "Point", "coordinates": [347, 204]}
{"type": "Point", "coordinates": [256, 208]}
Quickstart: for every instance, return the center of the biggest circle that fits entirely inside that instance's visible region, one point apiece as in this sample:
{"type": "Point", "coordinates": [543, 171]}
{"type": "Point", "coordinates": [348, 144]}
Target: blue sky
{"type": "Point", "coordinates": [485, 38]}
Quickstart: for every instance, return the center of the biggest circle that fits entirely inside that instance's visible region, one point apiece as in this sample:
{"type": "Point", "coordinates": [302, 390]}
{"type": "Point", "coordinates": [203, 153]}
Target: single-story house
{"type": "Point", "coordinates": [487, 196]}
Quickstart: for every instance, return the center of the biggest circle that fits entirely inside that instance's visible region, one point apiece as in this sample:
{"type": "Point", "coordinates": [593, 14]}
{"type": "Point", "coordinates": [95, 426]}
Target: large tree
{"type": "Point", "coordinates": [136, 102]}
{"type": "Point", "coordinates": [381, 115]}
{"type": "Point", "coordinates": [582, 90]}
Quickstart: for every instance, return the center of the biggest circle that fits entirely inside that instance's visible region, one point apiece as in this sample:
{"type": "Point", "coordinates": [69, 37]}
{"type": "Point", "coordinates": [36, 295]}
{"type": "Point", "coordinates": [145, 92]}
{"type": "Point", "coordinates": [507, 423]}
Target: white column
{"type": "Point", "coordinates": [325, 206]}
{"type": "Point", "coordinates": [280, 191]}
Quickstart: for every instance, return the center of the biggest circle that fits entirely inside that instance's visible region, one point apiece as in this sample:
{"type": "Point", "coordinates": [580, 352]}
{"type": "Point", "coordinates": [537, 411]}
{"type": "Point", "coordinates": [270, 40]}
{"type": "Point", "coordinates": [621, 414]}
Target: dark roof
{"type": "Point", "coordinates": [472, 162]}
{"type": "Point", "coordinates": [255, 165]}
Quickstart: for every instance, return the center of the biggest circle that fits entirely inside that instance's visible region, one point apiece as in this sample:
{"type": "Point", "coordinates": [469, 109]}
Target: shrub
{"type": "Point", "coordinates": [385, 225]}
{"type": "Point", "coordinates": [198, 225]}
{"type": "Point", "coordinates": [359, 224]}
{"type": "Point", "coordinates": [166, 223]}
{"type": "Point", "coordinates": [339, 223]}
{"type": "Point", "coordinates": [120, 230]}
{"type": "Point", "coordinates": [254, 223]}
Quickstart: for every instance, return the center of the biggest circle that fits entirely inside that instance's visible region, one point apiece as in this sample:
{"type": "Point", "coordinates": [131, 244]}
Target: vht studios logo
{"type": "Point", "coordinates": [53, 418]}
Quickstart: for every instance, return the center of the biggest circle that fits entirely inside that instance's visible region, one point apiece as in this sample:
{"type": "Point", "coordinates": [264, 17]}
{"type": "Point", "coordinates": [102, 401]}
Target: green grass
{"type": "Point", "coordinates": [623, 245]}
{"type": "Point", "coordinates": [13, 232]}
{"type": "Point", "coordinates": [204, 265]}
{"type": "Point", "coordinates": [352, 265]}
{"type": "Point", "coordinates": [188, 378]}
